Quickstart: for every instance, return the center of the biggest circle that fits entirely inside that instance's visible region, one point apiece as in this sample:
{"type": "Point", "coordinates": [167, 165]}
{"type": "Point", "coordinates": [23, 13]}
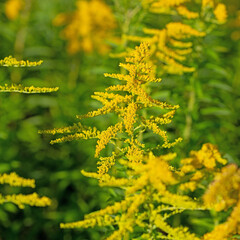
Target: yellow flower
{"type": "Point", "coordinates": [220, 13]}
{"type": "Point", "coordinates": [227, 229]}
{"type": "Point", "coordinates": [224, 191]}
{"type": "Point", "coordinates": [13, 62]}
{"type": "Point", "coordinates": [31, 199]}
{"type": "Point", "coordinates": [88, 27]}
{"type": "Point", "coordinates": [206, 3]}
{"type": "Point", "coordinates": [12, 8]}
{"type": "Point", "coordinates": [183, 11]}
{"type": "Point", "coordinates": [14, 180]}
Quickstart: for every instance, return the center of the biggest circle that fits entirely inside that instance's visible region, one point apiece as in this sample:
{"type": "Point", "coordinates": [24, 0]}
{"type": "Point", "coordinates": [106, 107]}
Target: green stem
{"type": "Point", "coordinates": [190, 109]}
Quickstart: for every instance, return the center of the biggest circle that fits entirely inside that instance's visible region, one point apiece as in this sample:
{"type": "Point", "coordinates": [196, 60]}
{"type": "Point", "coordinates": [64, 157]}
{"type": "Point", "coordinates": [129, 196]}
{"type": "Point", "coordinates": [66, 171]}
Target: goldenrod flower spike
{"type": "Point", "coordinates": [223, 193]}
{"type": "Point", "coordinates": [125, 100]}
{"type": "Point", "coordinates": [13, 62]}
{"type": "Point", "coordinates": [21, 200]}
{"type": "Point", "coordinates": [28, 90]}
{"type": "Point", "coordinates": [14, 180]}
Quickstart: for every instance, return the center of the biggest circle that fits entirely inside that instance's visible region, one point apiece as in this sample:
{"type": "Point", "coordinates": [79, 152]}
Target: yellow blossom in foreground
{"type": "Point", "coordinates": [221, 13]}
{"type": "Point", "coordinates": [12, 8]}
{"type": "Point", "coordinates": [227, 229]}
{"type": "Point", "coordinates": [147, 202]}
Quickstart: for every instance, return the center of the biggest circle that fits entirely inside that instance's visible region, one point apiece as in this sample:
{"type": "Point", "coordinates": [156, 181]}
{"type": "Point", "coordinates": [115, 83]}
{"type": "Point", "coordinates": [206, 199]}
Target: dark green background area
{"type": "Point", "coordinates": [57, 168]}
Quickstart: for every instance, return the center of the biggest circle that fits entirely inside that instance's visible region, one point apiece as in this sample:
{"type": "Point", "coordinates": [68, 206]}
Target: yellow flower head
{"type": "Point", "coordinates": [13, 8]}
{"type": "Point", "coordinates": [220, 13]}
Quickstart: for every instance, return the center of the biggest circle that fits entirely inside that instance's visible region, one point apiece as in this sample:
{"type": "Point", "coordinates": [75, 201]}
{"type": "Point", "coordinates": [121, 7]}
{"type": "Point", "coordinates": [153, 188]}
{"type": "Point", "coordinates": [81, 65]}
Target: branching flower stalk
{"type": "Point", "coordinates": [147, 181]}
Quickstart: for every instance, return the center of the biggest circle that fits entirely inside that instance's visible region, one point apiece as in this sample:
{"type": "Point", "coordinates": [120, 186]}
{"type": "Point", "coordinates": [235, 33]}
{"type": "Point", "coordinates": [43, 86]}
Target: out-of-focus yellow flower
{"type": "Point", "coordinates": [224, 191]}
{"type": "Point", "coordinates": [183, 11]}
{"type": "Point", "coordinates": [88, 27]}
{"type": "Point", "coordinates": [200, 164]}
{"type": "Point", "coordinates": [13, 8]}
{"type": "Point", "coordinates": [220, 13]}
{"type": "Point", "coordinates": [206, 3]}
{"type": "Point", "coordinates": [227, 229]}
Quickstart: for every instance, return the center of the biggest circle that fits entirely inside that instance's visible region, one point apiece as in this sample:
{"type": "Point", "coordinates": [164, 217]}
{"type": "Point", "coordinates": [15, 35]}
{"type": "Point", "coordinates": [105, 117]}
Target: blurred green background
{"type": "Point", "coordinates": [57, 168]}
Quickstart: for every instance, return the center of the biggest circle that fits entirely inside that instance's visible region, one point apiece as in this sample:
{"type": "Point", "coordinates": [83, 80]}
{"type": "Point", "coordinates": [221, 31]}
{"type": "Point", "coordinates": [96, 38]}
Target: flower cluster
{"type": "Point", "coordinates": [147, 203]}
{"type": "Point", "coordinates": [200, 165]}
{"type": "Point", "coordinates": [131, 98]}
{"type": "Point", "coordinates": [173, 45]}
{"type": "Point", "coordinates": [13, 62]}
{"type": "Point", "coordinates": [21, 200]}
{"type": "Point", "coordinates": [88, 27]}
{"type": "Point", "coordinates": [13, 179]}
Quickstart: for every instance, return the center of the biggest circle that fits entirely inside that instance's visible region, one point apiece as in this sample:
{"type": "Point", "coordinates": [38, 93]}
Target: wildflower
{"type": "Point", "coordinates": [19, 199]}
{"type": "Point", "coordinates": [130, 98]}
{"type": "Point", "coordinates": [224, 191]}
{"type": "Point", "coordinates": [12, 8]}
{"type": "Point", "coordinates": [200, 164]}
{"type": "Point", "coordinates": [13, 62]}
{"type": "Point", "coordinates": [14, 180]}
{"type": "Point", "coordinates": [87, 28]}
{"type": "Point", "coordinates": [146, 190]}
{"type": "Point", "coordinates": [221, 13]}
{"type": "Point", "coordinates": [183, 11]}
{"type": "Point", "coordinates": [166, 44]}
{"type": "Point", "coordinates": [227, 229]}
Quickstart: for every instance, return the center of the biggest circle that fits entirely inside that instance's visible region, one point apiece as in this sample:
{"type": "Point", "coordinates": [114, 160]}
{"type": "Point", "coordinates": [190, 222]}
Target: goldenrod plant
{"type": "Point", "coordinates": [13, 179]}
{"type": "Point", "coordinates": [176, 47]}
{"type": "Point", "coordinates": [153, 190]}
{"type": "Point", "coordinates": [13, 62]}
